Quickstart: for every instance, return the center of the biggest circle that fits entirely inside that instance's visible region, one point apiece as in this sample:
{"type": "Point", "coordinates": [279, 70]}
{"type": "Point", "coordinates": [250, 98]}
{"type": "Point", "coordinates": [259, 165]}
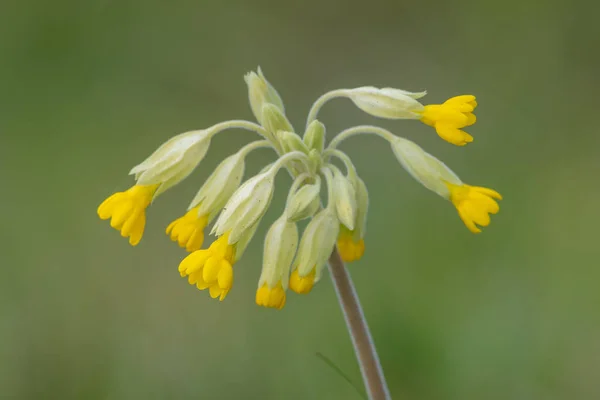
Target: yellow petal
{"type": "Point", "coordinates": [211, 269]}
{"type": "Point", "coordinates": [225, 276]}
{"type": "Point", "coordinates": [302, 285]}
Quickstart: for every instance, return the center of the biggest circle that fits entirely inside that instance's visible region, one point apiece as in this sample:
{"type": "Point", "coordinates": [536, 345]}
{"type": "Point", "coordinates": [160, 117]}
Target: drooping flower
{"type": "Point", "coordinates": [279, 250]}
{"type": "Point", "coordinates": [316, 245]}
{"type": "Point", "coordinates": [473, 203]}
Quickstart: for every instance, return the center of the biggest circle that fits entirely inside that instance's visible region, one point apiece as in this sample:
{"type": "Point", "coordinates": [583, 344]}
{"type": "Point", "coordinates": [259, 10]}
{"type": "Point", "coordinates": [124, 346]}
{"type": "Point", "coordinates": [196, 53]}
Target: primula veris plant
{"type": "Point", "coordinates": [334, 199]}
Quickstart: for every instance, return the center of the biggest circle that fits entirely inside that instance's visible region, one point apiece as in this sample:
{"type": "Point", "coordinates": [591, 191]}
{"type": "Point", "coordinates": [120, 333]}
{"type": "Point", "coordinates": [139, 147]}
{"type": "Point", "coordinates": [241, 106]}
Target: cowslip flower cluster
{"type": "Point", "coordinates": [292, 260]}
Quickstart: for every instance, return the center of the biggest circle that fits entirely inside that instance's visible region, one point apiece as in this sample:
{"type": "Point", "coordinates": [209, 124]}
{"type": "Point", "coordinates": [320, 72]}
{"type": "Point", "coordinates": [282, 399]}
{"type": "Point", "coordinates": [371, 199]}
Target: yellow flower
{"type": "Point", "coordinates": [448, 118]}
{"type": "Point", "coordinates": [474, 204]}
{"type": "Point", "coordinates": [271, 297]}
{"type": "Point", "coordinates": [127, 211]}
{"type": "Point", "coordinates": [302, 284]}
{"type": "Point", "coordinates": [188, 230]}
{"type": "Point", "coordinates": [211, 268]}
{"type": "Point", "coordinates": [350, 250]}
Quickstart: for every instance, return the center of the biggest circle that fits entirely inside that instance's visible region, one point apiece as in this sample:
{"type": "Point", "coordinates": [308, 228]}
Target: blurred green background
{"type": "Point", "coordinates": [90, 88]}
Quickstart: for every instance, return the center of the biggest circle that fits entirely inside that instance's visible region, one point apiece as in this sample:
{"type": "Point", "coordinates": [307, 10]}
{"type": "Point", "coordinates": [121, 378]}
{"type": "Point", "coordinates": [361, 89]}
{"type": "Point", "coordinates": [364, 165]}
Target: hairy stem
{"type": "Point", "coordinates": [358, 130]}
{"type": "Point", "coordinates": [314, 110]}
{"type": "Point", "coordinates": [366, 354]}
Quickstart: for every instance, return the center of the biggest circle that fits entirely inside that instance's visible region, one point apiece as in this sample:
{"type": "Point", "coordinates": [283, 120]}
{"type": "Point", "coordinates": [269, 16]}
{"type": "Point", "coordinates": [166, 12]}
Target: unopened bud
{"type": "Point", "coordinates": [387, 102]}
{"type": "Point", "coordinates": [314, 137]}
{"type": "Point", "coordinates": [345, 199]}
{"type": "Point", "coordinates": [260, 92]}
{"type": "Point", "coordinates": [273, 119]}
{"type": "Point", "coordinates": [291, 142]}
{"type": "Point", "coordinates": [304, 202]}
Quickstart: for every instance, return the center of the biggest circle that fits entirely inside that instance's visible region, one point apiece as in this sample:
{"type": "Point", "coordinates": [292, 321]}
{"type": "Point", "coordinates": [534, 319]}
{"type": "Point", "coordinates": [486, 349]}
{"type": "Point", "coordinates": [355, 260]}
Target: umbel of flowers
{"type": "Point", "coordinates": [335, 200]}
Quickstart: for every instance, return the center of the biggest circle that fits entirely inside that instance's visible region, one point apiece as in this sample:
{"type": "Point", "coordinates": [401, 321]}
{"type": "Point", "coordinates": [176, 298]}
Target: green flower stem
{"type": "Point", "coordinates": [249, 126]}
{"type": "Point", "coordinates": [314, 110]}
{"type": "Point", "coordinates": [364, 348]}
{"type": "Point", "coordinates": [359, 130]}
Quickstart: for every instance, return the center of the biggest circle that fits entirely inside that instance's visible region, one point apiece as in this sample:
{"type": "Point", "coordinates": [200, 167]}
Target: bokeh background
{"type": "Point", "coordinates": [90, 88]}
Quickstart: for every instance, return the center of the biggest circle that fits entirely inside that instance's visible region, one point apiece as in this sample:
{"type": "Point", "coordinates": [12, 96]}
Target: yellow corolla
{"type": "Point", "coordinates": [474, 204]}
{"type": "Point", "coordinates": [271, 297]}
{"type": "Point", "coordinates": [350, 249]}
{"type": "Point", "coordinates": [188, 231]}
{"type": "Point", "coordinates": [448, 118]}
{"type": "Point", "coordinates": [127, 211]}
{"type": "Point", "coordinates": [211, 268]}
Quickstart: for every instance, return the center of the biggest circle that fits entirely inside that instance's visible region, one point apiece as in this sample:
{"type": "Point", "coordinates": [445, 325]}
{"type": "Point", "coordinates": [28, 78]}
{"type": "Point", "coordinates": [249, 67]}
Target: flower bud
{"type": "Point", "coordinates": [260, 92]}
{"type": "Point", "coordinates": [314, 137]}
{"type": "Point", "coordinates": [220, 185]}
{"type": "Point", "coordinates": [425, 168]}
{"type": "Point", "coordinates": [317, 242]}
{"type": "Point", "coordinates": [304, 202]}
{"type": "Point", "coordinates": [245, 207]}
{"type": "Point", "coordinates": [274, 120]}
{"type": "Point", "coordinates": [291, 142]}
{"type": "Point", "coordinates": [173, 161]}
{"type": "Point", "coordinates": [387, 102]}
{"type": "Point", "coordinates": [279, 251]}
{"type": "Point", "coordinates": [345, 199]}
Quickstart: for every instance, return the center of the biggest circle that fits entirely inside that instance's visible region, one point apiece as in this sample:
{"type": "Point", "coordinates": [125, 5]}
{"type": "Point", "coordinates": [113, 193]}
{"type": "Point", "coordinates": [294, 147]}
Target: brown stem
{"type": "Point", "coordinates": [366, 354]}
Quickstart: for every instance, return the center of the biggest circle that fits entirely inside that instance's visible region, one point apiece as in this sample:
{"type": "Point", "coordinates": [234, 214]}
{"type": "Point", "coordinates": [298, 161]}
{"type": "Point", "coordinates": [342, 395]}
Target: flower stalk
{"type": "Point", "coordinates": [364, 347]}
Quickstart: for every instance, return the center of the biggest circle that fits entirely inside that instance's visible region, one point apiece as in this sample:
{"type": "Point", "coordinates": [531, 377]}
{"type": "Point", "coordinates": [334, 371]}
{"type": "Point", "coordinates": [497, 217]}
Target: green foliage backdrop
{"type": "Point", "coordinates": [90, 88]}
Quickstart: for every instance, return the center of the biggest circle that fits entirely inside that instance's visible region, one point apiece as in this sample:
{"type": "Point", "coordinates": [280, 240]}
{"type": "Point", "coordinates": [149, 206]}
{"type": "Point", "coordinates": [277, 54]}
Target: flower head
{"type": "Point", "coordinates": [448, 118]}
{"type": "Point", "coordinates": [334, 199]}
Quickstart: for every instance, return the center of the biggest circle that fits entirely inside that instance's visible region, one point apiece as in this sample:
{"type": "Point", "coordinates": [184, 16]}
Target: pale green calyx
{"type": "Point", "coordinates": [174, 160]}
{"type": "Point", "coordinates": [344, 198]}
{"type": "Point", "coordinates": [425, 168]}
{"type": "Point", "coordinates": [224, 180]}
{"type": "Point", "coordinates": [246, 206]}
{"type": "Point", "coordinates": [260, 91]}
{"type": "Point", "coordinates": [314, 137]}
{"type": "Point", "coordinates": [387, 102]}
{"type": "Point", "coordinates": [317, 242]}
{"type": "Point", "coordinates": [304, 200]}
{"type": "Point", "coordinates": [280, 246]}
{"type": "Point", "coordinates": [362, 207]}
{"type": "Point", "coordinates": [274, 120]}
{"type": "Point", "coordinates": [219, 186]}
{"type": "Point", "coordinates": [291, 142]}
{"type": "Point", "coordinates": [244, 240]}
